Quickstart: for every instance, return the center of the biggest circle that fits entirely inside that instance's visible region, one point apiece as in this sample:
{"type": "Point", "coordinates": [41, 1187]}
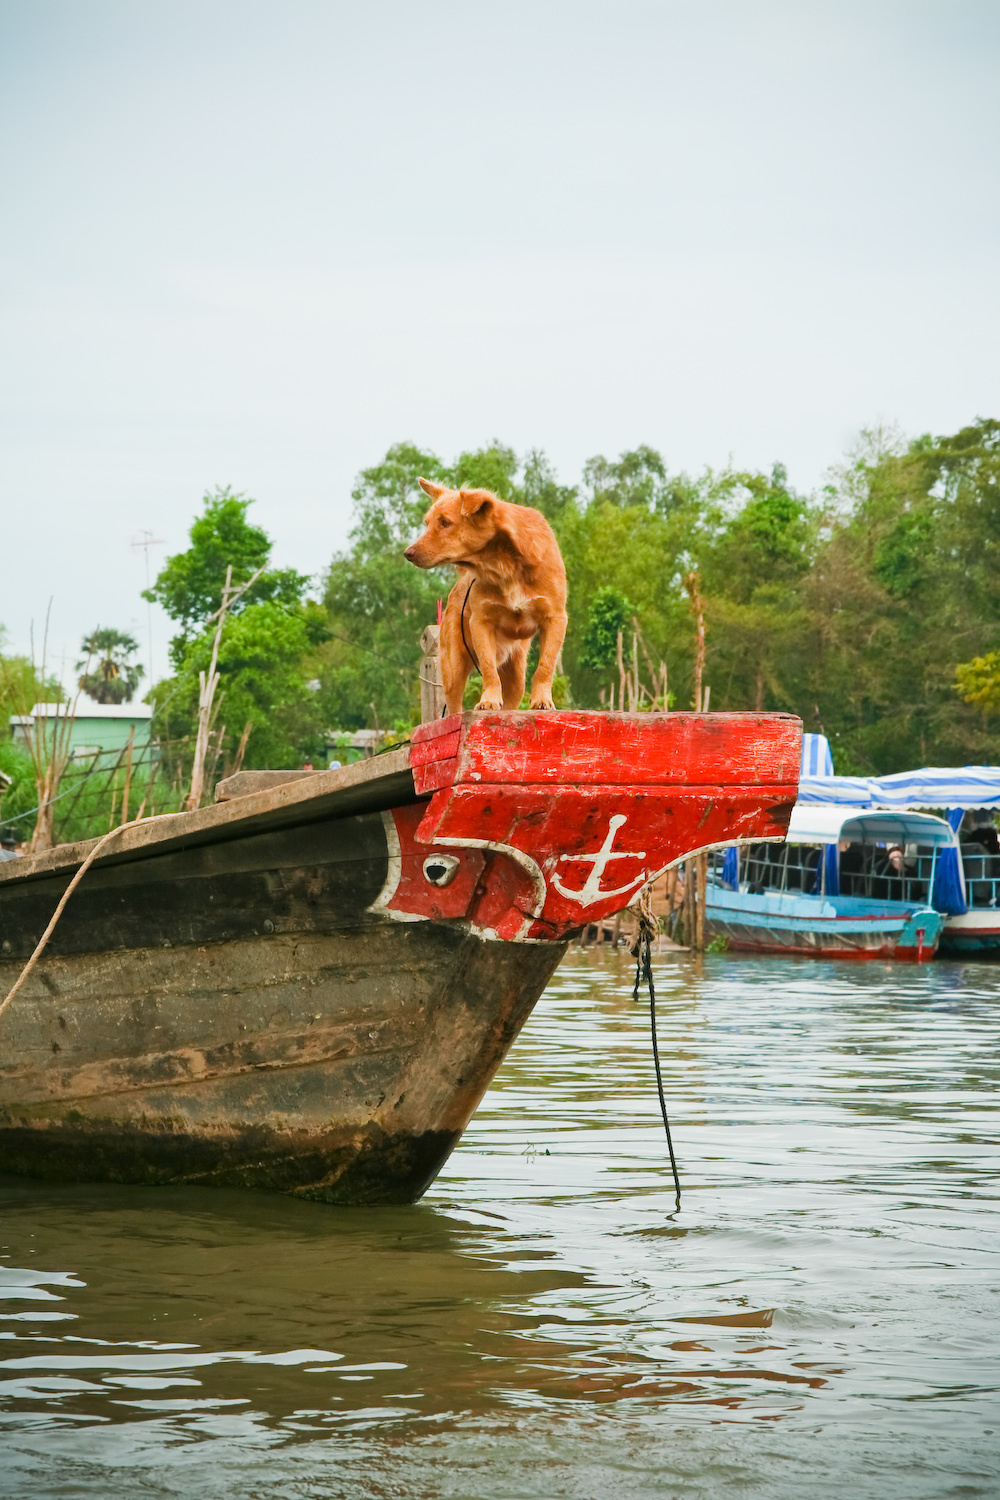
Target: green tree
{"type": "Point", "coordinates": [493, 468]}
{"type": "Point", "coordinates": [904, 588]}
{"type": "Point", "coordinates": [190, 584]}
{"type": "Point", "coordinates": [18, 802]}
{"type": "Point", "coordinates": [637, 477]}
{"type": "Point", "coordinates": [264, 668]}
{"type": "Point", "coordinates": [610, 615]}
{"type": "Point", "coordinates": [109, 673]}
{"type": "Point", "coordinates": [856, 608]}
{"type": "Point", "coordinates": [753, 568]}
{"type": "Point", "coordinates": [540, 489]}
{"type": "Point", "coordinates": [638, 531]}
{"type": "Point", "coordinates": [269, 639]}
{"type": "Point", "coordinates": [978, 681]}
{"type": "Point", "coordinates": [23, 683]}
{"type": "Point", "coordinates": [378, 603]}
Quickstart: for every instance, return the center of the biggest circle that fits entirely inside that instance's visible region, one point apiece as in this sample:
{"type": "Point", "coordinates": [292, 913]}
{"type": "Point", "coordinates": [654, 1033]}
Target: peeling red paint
{"type": "Point", "coordinates": [579, 811]}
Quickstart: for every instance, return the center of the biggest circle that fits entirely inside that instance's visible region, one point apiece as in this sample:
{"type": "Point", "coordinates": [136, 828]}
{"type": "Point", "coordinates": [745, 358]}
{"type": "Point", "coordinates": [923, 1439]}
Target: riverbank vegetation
{"type": "Point", "coordinates": [871, 608]}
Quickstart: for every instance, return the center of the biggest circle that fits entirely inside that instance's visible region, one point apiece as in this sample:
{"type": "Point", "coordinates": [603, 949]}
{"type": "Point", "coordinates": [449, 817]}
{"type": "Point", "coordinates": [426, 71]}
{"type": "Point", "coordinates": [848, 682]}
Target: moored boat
{"type": "Point", "coordinates": [308, 986]}
{"type": "Point", "coordinates": [842, 885]}
{"type": "Point", "coordinates": [967, 886]}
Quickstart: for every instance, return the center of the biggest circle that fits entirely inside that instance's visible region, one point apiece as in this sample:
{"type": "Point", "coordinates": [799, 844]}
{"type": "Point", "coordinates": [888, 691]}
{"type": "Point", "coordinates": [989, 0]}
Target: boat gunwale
{"type": "Point", "coordinates": [383, 781]}
{"type": "Point", "coordinates": [393, 778]}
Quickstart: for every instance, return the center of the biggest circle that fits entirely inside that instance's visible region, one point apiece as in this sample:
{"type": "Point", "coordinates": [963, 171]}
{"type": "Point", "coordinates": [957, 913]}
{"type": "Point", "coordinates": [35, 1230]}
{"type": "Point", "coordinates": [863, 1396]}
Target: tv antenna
{"type": "Point", "coordinates": [145, 540]}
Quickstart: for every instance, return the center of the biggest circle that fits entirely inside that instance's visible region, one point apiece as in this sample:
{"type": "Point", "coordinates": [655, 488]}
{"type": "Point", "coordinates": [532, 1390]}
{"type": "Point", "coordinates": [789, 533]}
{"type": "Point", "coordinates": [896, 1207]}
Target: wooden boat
{"type": "Point", "coordinates": [831, 890]}
{"type": "Point", "coordinates": [976, 931]}
{"type": "Point", "coordinates": [308, 986]}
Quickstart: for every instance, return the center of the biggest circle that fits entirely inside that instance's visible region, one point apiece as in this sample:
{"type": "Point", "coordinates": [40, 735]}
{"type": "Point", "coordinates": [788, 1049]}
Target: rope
{"type": "Point", "coordinates": [461, 619]}
{"type": "Point", "coordinates": [643, 955]}
{"type": "Point", "coordinates": [43, 940]}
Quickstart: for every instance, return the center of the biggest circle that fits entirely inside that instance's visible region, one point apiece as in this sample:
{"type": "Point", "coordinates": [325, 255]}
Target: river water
{"type": "Point", "coordinates": [820, 1319]}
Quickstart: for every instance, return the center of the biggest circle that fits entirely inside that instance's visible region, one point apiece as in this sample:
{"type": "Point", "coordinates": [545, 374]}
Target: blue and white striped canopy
{"type": "Point", "coordinates": [934, 786]}
{"type": "Point", "coordinates": [816, 757]}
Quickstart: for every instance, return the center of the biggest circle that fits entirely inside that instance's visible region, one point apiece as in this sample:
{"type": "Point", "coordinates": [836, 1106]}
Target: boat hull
{"type": "Point", "coordinates": [309, 988]}
{"type": "Point", "coordinates": [822, 927]}
{"type": "Point", "coordinates": [975, 931]}
{"type": "Point", "coordinates": [338, 1066]}
{"type": "Point", "coordinates": [248, 1014]}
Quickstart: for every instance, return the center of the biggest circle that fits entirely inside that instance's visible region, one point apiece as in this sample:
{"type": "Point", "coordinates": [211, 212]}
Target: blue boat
{"type": "Point", "coordinates": [844, 884]}
{"type": "Point", "coordinates": [967, 888]}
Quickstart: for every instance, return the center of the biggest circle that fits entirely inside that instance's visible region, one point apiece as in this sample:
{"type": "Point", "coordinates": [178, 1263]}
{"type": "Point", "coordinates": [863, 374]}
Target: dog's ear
{"type": "Point", "coordinates": [430, 488]}
{"type": "Point", "coordinates": [475, 502]}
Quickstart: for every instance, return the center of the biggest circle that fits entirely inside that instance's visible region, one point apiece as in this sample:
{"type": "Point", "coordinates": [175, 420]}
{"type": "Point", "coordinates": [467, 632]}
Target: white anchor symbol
{"type": "Point", "coordinates": [592, 888]}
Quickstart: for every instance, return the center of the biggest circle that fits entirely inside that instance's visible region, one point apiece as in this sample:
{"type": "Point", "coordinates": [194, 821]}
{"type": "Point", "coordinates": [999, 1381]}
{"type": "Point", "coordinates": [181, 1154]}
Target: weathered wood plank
{"type": "Point", "coordinates": [381, 782]}
{"type": "Point", "coordinates": [317, 877]}
{"type": "Point", "coordinates": [581, 748]}
{"type": "Point", "coordinates": [278, 1106]}
{"type": "Point", "coordinates": [244, 783]}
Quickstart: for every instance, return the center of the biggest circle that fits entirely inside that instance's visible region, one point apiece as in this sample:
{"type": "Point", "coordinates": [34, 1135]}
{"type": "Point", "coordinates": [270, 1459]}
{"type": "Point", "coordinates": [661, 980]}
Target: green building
{"type": "Point", "coordinates": [99, 732]}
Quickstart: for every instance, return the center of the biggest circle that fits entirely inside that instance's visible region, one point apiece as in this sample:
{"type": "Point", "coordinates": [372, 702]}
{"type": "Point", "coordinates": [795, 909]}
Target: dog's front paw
{"type": "Point", "coordinates": [489, 703]}
{"type": "Point", "coordinates": [541, 700]}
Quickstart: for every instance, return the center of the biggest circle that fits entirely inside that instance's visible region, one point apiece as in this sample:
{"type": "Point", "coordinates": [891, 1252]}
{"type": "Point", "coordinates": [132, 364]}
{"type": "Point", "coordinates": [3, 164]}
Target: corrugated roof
{"type": "Point", "coordinates": [88, 710]}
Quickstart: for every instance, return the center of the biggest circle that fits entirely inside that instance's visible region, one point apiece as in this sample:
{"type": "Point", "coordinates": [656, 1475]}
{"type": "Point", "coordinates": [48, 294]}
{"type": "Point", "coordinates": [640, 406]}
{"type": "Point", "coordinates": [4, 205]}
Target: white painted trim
{"type": "Point", "coordinates": [394, 874]}
{"type": "Point", "coordinates": [531, 869]}
{"type": "Point", "coordinates": [528, 865]}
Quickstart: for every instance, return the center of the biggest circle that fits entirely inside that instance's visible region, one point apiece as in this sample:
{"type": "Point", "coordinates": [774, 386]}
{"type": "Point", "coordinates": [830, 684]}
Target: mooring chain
{"type": "Point", "coordinates": [642, 952]}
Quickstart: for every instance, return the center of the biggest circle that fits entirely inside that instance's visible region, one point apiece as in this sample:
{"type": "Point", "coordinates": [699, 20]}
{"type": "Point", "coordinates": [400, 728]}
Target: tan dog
{"type": "Point", "coordinates": [511, 587]}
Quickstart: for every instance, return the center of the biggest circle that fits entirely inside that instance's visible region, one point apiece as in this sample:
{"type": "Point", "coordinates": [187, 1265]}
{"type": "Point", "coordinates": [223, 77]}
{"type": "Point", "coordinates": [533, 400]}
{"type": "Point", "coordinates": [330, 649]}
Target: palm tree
{"type": "Point", "coordinates": [115, 677]}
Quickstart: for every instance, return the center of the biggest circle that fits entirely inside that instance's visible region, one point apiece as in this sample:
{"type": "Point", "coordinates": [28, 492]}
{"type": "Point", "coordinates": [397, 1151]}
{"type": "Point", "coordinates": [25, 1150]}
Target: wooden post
{"type": "Point", "coordinates": [621, 677]}
{"type": "Point", "coordinates": [208, 682]}
{"type": "Point", "coordinates": [690, 920]}
{"type": "Point", "coordinates": [671, 897]}
{"type": "Point", "coordinates": [128, 775]}
{"type": "Point", "coordinates": [241, 748]}
{"type": "Point", "coordinates": [701, 867]}
{"type": "Point", "coordinates": [431, 689]}
{"type": "Point", "coordinates": [693, 585]}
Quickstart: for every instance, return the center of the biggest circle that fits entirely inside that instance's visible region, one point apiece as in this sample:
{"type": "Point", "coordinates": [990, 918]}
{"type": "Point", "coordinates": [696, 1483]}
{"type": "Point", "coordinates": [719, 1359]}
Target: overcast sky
{"type": "Point", "coordinates": [256, 243]}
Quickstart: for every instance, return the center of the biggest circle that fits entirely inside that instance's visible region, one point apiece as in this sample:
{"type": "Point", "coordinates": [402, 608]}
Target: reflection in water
{"type": "Point", "coordinates": [820, 1314]}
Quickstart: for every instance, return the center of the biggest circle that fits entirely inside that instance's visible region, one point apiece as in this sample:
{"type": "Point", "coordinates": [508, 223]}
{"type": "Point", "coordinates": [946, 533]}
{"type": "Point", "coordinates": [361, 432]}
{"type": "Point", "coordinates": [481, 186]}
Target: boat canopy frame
{"type": "Point", "coordinates": [824, 823]}
{"type": "Point", "coordinates": [827, 826]}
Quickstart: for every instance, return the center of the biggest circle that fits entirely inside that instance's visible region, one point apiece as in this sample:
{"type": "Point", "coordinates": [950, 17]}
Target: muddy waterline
{"type": "Point", "coordinates": [820, 1319]}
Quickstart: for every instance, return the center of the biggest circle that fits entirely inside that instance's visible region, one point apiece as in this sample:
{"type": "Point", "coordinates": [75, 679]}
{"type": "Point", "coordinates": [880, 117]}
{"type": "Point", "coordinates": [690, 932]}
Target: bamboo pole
{"type": "Point", "coordinates": [48, 752]}
{"type": "Point", "coordinates": [693, 585]}
{"type": "Point", "coordinates": [128, 774]}
{"type": "Point", "coordinates": [241, 748]}
{"type": "Point", "coordinates": [689, 898]}
{"type": "Point", "coordinates": [208, 683]}
{"type": "Point", "coordinates": [701, 868]}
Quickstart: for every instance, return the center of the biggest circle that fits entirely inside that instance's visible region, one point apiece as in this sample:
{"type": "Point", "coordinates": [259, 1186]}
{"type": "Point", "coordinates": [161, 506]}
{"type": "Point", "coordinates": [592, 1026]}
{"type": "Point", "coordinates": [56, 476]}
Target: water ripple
{"type": "Point", "coordinates": [819, 1317]}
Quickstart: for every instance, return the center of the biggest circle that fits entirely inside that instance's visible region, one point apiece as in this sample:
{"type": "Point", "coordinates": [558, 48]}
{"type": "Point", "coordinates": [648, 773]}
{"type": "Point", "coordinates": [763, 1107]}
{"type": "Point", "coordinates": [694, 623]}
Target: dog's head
{"type": "Point", "coordinates": [458, 525]}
